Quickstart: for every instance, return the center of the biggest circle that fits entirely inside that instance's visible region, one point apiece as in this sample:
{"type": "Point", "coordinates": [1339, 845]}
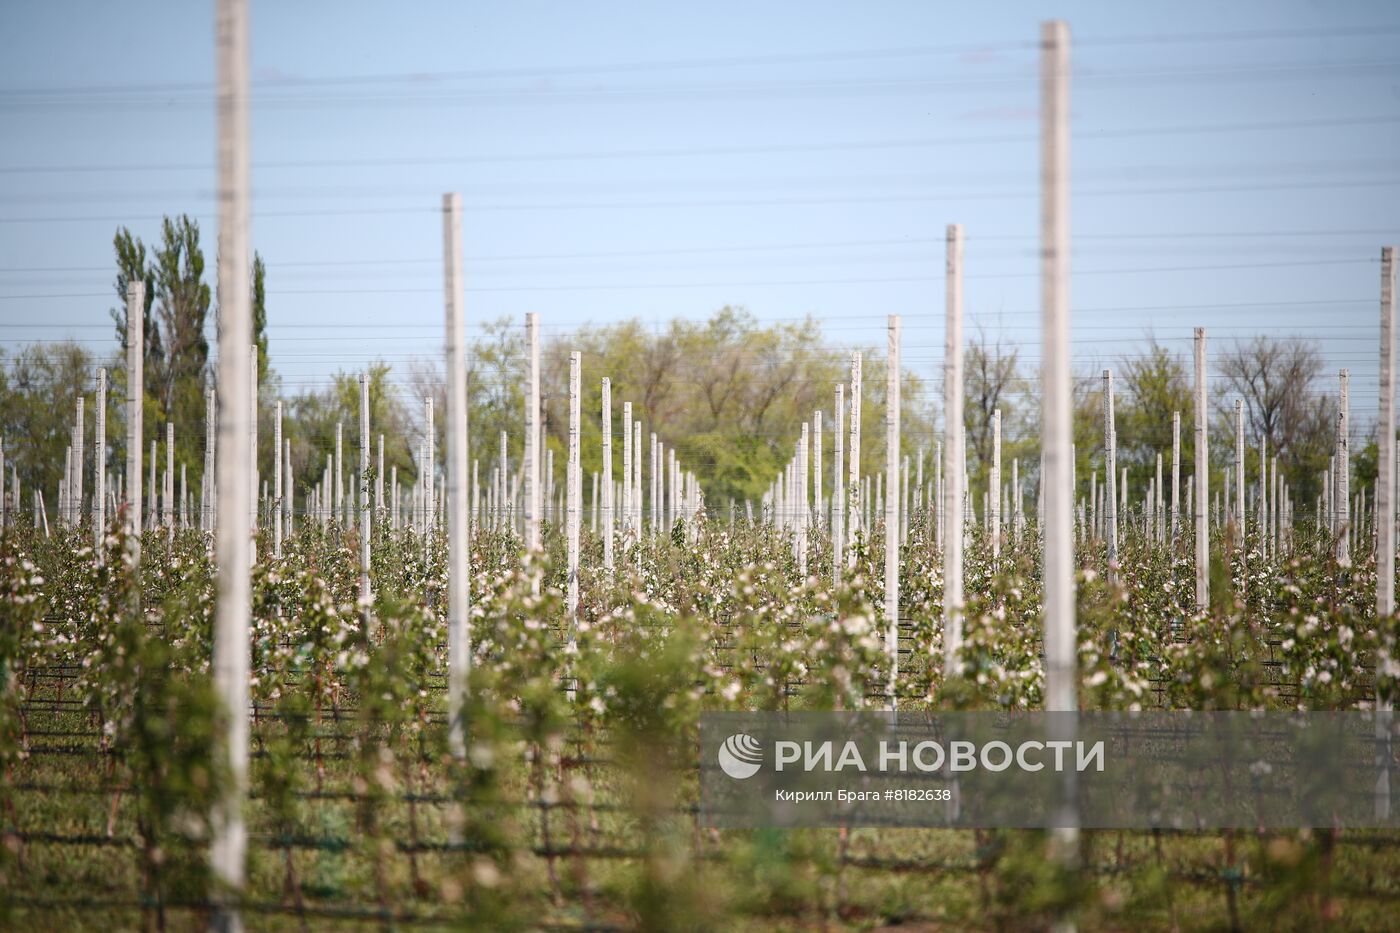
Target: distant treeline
{"type": "Point", "coordinates": [729, 394]}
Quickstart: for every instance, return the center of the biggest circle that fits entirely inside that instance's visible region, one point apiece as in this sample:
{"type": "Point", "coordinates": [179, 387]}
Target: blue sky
{"type": "Point", "coordinates": [1234, 166]}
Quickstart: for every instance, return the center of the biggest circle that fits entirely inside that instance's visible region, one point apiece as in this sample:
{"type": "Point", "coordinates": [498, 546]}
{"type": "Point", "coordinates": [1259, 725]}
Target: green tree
{"type": "Point", "coordinates": [259, 295]}
{"type": "Point", "coordinates": [182, 306]}
{"type": "Point", "coordinates": [310, 420]}
{"type": "Point", "coordinates": [176, 357]}
{"type": "Point", "coordinates": [495, 397]}
{"type": "Point", "coordinates": [1149, 387]}
{"type": "Point", "coordinates": [992, 379]}
{"type": "Point", "coordinates": [39, 388]}
{"type": "Point", "coordinates": [728, 393]}
{"type": "Point", "coordinates": [1279, 379]}
{"type": "Point", "coordinates": [132, 267]}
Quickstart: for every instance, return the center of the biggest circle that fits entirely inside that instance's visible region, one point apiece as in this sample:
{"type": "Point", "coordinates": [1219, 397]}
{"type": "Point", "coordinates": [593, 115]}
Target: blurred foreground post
{"type": "Point", "coordinates": [253, 443]}
{"type": "Point", "coordinates": [1202, 496]}
{"type": "Point", "coordinates": [1058, 541]}
{"type": "Point", "coordinates": [430, 467]}
{"type": "Point", "coordinates": [1110, 471]}
{"type": "Point", "coordinates": [1176, 474]}
{"type": "Point", "coordinates": [532, 433]}
{"type": "Point", "coordinates": [994, 486]}
{"type": "Point", "coordinates": [573, 488]}
{"type": "Point", "coordinates": [954, 476]}
{"type": "Point", "coordinates": [1385, 523]}
{"type": "Point", "coordinates": [289, 492]}
{"type": "Point", "coordinates": [817, 470]}
{"type": "Point", "coordinates": [135, 393]}
{"type": "Point", "coordinates": [892, 501]}
{"type": "Point", "coordinates": [1239, 470]}
{"type": "Point", "coordinates": [207, 484]}
{"type": "Point", "coordinates": [99, 479]}
{"type": "Point", "coordinates": [838, 499]}
{"type": "Point", "coordinates": [79, 431]}
{"type": "Point", "coordinates": [236, 476]}
{"type": "Point", "coordinates": [1343, 494]}
{"type": "Point", "coordinates": [607, 476]}
{"type": "Point", "coordinates": [277, 482]}
{"type": "Point", "coordinates": [800, 508]}
{"type": "Point", "coordinates": [627, 455]}
{"type": "Point", "coordinates": [168, 509]}
{"type": "Point", "coordinates": [458, 581]}
{"type": "Point", "coordinates": [853, 507]}
{"type": "Point", "coordinates": [365, 520]}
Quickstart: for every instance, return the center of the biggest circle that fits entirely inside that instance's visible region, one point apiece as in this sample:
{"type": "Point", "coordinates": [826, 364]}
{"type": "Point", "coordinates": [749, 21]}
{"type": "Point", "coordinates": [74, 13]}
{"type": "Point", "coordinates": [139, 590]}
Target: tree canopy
{"type": "Point", "coordinates": [728, 392]}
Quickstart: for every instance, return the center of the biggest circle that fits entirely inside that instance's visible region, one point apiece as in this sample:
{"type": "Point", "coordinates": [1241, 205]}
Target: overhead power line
{"type": "Point", "coordinates": [709, 151]}
{"type": "Point", "coordinates": [1311, 35]}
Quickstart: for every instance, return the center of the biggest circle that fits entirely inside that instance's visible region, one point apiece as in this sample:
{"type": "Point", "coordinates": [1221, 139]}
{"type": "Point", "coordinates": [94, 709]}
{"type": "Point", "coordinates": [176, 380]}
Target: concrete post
{"type": "Point", "coordinates": [892, 502]}
{"type": "Point", "coordinates": [953, 472]}
{"type": "Point", "coordinates": [1202, 474]}
{"type": "Point", "coordinates": [459, 648]}
{"type": "Point", "coordinates": [232, 608]}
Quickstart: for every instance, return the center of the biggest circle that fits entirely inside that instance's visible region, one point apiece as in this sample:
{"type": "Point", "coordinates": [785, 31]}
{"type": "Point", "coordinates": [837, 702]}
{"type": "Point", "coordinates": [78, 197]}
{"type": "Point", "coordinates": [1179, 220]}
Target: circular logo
{"type": "Point", "coordinates": [740, 756]}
